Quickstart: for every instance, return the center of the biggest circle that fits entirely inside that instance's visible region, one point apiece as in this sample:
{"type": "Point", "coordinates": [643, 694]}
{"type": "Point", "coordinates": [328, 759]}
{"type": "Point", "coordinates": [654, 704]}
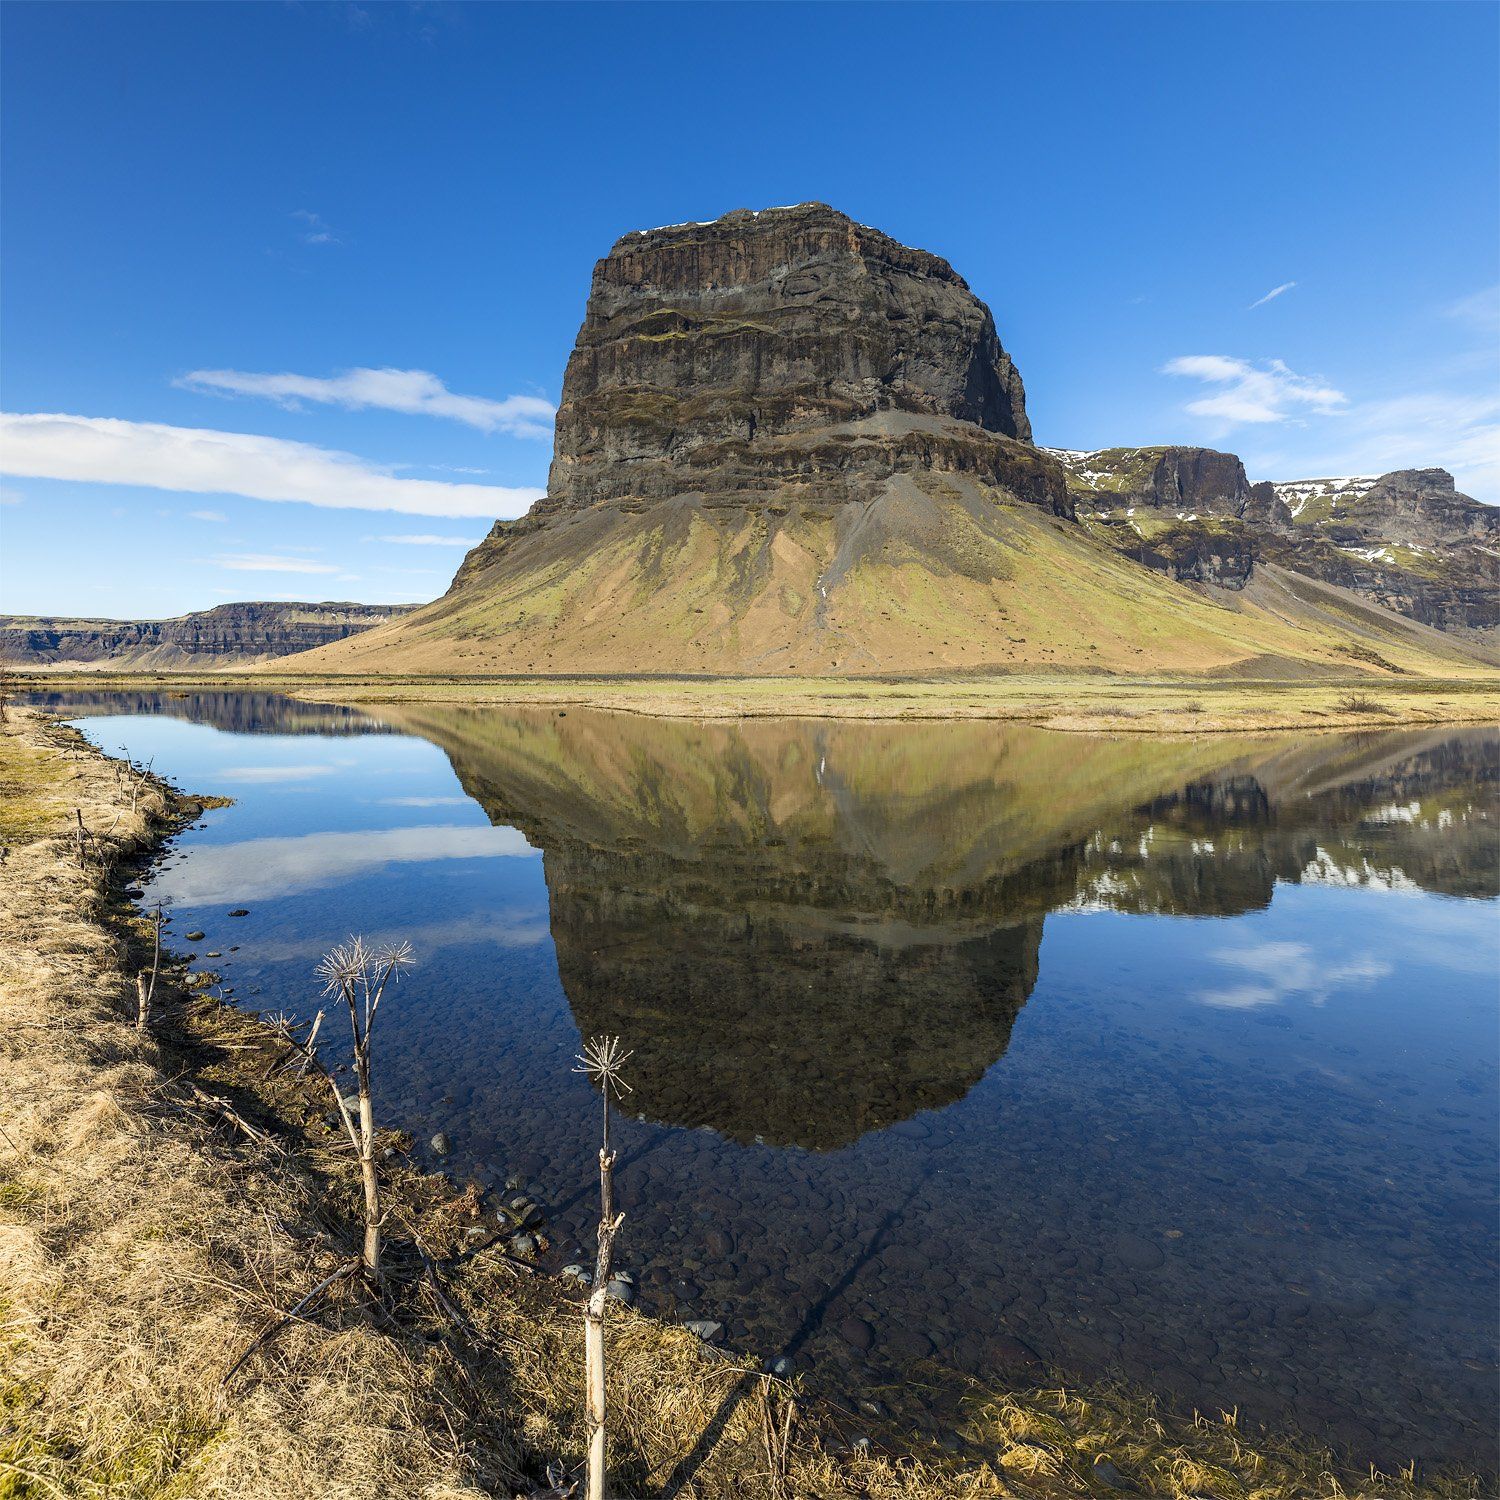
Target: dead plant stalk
{"type": "Point", "coordinates": [359, 975]}
{"type": "Point", "coordinates": [145, 992]}
{"type": "Point", "coordinates": [600, 1060]}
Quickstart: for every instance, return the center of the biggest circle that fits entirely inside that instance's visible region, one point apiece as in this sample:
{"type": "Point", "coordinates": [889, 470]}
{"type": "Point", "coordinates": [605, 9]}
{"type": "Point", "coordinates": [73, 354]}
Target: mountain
{"type": "Point", "coordinates": [1407, 541]}
{"type": "Point", "coordinates": [788, 444]}
{"type": "Point", "coordinates": [229, 635]}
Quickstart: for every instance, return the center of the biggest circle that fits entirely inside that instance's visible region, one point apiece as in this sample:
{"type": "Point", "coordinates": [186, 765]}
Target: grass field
{"type": "Point", "coordinates": [1162, 705]}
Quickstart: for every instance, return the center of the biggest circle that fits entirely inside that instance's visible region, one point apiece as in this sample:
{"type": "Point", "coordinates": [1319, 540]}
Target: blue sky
{"type": "Point", "coordinates": [215, 218]}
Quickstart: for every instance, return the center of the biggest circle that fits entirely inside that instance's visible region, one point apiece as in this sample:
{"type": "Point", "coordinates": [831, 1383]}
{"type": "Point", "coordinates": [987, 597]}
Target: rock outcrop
{"type": "Point", "coordinates": [226, 635]}
{"type": "Point", "coordinates": [1185, 512]}
{"type": "Point", "coordinates": [1408, 540]}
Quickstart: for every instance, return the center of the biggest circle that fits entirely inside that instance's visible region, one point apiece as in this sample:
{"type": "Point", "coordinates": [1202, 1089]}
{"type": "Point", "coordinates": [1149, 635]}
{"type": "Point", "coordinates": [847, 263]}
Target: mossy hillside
{"type": "Point", "coordinates": [936, 577]}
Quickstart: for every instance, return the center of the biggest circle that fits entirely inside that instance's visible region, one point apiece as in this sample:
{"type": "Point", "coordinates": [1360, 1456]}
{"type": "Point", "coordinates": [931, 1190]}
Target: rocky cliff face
{"type": "Point", "coordinates": [227, 635]}
{"type": "Point", "coordinates": [769, 349]}
{"type": "Point", "coordinates": [1185, 512]}
{"type": "Point", "coordinates": [1182, 481]}
{"type": "Point", "coordinates": [1408, 540]}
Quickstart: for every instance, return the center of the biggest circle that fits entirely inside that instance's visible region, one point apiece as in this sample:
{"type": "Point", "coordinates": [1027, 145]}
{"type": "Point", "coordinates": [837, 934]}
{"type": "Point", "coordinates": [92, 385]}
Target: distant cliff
{"type": "Point", "coordinates": [1407, 540]}
{"type": "Point", "coordinates": [225, 636]}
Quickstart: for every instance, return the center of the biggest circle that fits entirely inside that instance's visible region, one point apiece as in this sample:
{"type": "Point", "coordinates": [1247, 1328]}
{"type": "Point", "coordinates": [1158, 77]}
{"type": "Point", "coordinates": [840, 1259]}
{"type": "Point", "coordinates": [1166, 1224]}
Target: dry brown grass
{"type": "Point", "coordinates": [139, 1250]}
{"type": "Point", "coordinates": [143, 1247]}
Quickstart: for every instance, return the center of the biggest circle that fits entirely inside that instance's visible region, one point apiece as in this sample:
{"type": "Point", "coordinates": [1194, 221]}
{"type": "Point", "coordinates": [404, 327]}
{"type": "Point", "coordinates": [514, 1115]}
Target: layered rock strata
{"type": "Point", "coordinates": [226, 635]}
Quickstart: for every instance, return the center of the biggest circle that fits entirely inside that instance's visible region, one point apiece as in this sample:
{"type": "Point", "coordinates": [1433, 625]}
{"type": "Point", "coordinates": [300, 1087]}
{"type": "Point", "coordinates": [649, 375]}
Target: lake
{"type": "Point", "coordinates": [959, 1049]}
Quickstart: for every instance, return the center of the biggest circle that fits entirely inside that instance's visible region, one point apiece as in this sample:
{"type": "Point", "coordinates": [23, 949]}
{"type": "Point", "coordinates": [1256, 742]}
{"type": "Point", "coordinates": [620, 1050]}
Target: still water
{"type": "Point", "coordinates": [959, 1049]}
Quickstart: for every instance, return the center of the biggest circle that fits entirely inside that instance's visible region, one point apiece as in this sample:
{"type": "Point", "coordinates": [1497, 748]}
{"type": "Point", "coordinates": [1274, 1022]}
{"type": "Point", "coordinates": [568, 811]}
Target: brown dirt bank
{"type": "Point", "coordinates": [146, 1241]}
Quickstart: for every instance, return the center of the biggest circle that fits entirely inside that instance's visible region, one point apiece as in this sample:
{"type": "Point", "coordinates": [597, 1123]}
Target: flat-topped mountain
{"type": "Point", "coordinates": [748, 356]}
{"type": "Point", "coordinates": [224, 636]}
{"type": "Point", "coordinates": [789, 444]}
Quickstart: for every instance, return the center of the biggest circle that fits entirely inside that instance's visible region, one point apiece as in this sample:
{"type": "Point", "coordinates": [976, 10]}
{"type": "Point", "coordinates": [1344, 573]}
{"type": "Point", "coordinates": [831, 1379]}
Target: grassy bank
{"type": "Point", "coordinates": [166, 1196]}
{"type": "Point", "coordinates": [1165, 705]}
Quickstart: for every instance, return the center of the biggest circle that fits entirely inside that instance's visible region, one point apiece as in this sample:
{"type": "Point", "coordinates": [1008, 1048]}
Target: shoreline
{"type": "Point", "coordinates": [92, 1206]}
{"type": "Point", "coordinates": [1067, 704]}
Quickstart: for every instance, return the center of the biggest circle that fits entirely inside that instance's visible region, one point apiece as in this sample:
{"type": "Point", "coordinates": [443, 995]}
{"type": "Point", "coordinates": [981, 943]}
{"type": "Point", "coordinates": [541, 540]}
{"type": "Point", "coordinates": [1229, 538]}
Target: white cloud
{"type": "Point", "coordinates": [260, 562]}
{"type": "Point", "coordinates": [418, 392]}
{"type": "Point", "coordinates": [1270, 296]}
{"type": "Point", "coordinates": [1253, 393]}
{"type": "Point", "coordinates": [427, 539]}
{"type": "Point", "coordinates": [107, 450]}
{"type": "Point", "coordinates": [316, 230]}
{"type": "Point", "coordinates": [207, 515]}
{"type": "Point", "coordinates": [1480, 310]}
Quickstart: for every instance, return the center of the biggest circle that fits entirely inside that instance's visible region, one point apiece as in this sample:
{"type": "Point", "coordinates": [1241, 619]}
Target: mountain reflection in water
{"type": "Point", "coordinates": [806, 932]}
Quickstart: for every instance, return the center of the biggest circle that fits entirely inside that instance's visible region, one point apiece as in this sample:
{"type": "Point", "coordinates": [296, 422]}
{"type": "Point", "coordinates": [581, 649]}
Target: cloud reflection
{"type": "Point", "coordinates": [1281, 970]}
{"type": "Point", "coordinates": [262, 869]}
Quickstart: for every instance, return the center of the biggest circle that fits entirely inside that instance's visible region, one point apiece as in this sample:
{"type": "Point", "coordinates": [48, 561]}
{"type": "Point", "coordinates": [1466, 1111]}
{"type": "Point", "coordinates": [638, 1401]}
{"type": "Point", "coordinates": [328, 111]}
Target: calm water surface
{"type": "Point", "coordinates": [960, 1049]}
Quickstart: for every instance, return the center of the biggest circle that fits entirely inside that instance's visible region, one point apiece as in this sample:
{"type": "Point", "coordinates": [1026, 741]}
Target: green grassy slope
{"type": "Point", "coordinates": [935, 575]}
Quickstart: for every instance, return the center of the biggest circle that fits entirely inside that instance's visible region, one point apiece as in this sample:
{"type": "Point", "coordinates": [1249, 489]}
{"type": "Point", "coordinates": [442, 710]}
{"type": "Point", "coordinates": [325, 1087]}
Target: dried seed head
{"type": "Point", "coordinates": [601, 1059]}
{"type": "Point", "coordinates": [344, 966]}
{"type": "Point", "coordinates": [392, 956]}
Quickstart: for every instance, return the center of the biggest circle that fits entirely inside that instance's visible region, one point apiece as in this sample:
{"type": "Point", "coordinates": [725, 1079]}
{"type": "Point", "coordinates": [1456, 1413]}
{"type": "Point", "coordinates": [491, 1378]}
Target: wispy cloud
{"type": "Point", "coordinates": [418, 392]}
{"type": "Point", "coordinates": [1271, 296]}
{"type": "Point", "coordinates": [259, 775]}
{"type": "Point", "coordinates": [262, 562]}
{"type": "Point", "coordinates": [426, 539]}
{"type": "Point", "coordinates": [1419, 429]}
{"type": "Point", "coordinates": [108, 450]}
{"type": "Point", "coordinates": [1480, 310]}
{"type": "Point", "coordinates": [315, 229]}
{"type": "Point", "coordinates": [1269, 392]}
{"type": "Point", "coordinates": [207, 515]}
{"type": "Point", "coordinates": [272, 868]}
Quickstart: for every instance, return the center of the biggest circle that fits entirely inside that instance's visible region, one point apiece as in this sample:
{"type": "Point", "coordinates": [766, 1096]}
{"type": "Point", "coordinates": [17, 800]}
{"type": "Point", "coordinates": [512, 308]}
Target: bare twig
{"type": "Point", "coordinates": [223, 1108]}
{"type": "Point", "coordinates": [292, 1315]}
{"type": "Point", "coordinates": [146, 993]}
{"type": "Point", "coordinates": [776, 1437]}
